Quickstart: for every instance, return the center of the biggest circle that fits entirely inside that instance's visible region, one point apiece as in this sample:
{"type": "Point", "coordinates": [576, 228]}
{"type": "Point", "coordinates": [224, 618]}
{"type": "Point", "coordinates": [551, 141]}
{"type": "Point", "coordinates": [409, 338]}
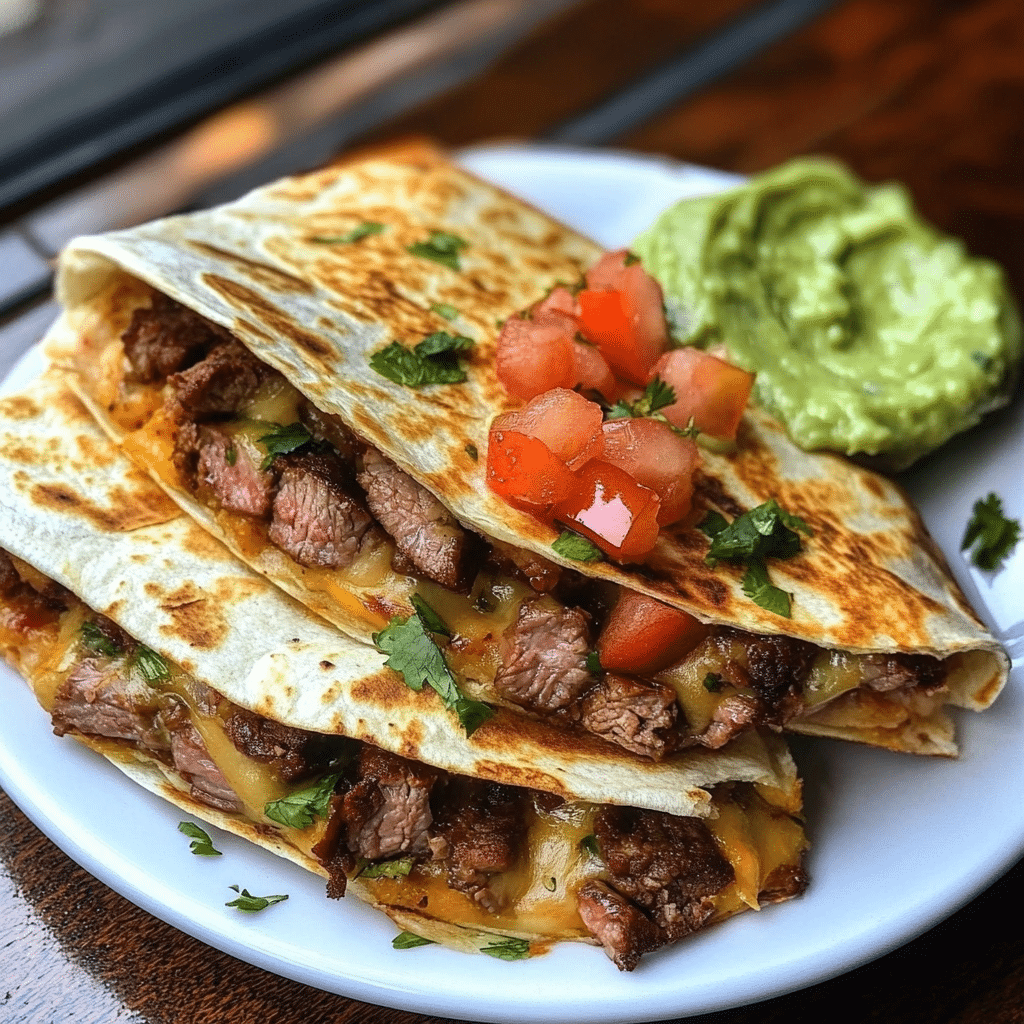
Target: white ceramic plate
{"type": "Point", "coordinates": [899, 842]}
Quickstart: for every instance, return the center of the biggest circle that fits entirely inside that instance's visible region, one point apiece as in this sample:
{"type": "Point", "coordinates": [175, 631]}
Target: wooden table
{"type": "Point", "coordinates": [929, 92]}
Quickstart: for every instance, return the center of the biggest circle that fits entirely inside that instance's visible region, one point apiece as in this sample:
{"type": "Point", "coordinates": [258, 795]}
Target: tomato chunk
{"type": "Point", "coordinates": [593, 372]}
{"type": "Point", "coordinates": [560, 300]}
{"type": "Point", "coordinates": [657, 457]}
{"type": "Point", "coordinates": [525, 472]}
{"type": "Point", "coordinates": [712, 392]}
{"type": "Point", "coordinates": [643, 636]}
{"type": "Point", "coordinates": [610, 508]}
{"type": "Point", "coordinates": [621, 311]}
{"type": "Point", "coordinates": [565, 421]}
{"type": "Point", "coordinates": [536, 355]}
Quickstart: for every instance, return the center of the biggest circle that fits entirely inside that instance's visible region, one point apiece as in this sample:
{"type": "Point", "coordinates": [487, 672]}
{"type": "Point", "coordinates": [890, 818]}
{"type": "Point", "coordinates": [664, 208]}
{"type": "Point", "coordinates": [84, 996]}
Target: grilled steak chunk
{"type": "Point", "coordinates": [192, 759]}
{"type": "Point", "coordinates": [315, 519]}
{"type": "Point", "coordinates": [219, 385]}
{"type": "Point", "coordinates": [734, 715]}
{"type": "Point", "coordinates": [295, 753]}
{"type": "Point", "coordinates": [387, 811]}
{"type": "Point", "coordinates": [622, 928]}
{"type": "Point", "coordinates": [635, 715]}
{"type": "Point", "coordinates": [422, 528]}
{"type": "Point", "coordinates": [209, 459]}
{"type": "Point", "coordinates": [167, 337]}
{"type": "Point", "coordinates": [544, 656]}
{"type": "Point", "coordinates": [98, 698]}
{"type": "Point", "coordinates": [668, 865]}
{"type": "Point", "coordinates": [777, 667]}
{"type": "Point", "coordinates": [482, 828]}
{"type": "Point", "coordinates": [887, 672]}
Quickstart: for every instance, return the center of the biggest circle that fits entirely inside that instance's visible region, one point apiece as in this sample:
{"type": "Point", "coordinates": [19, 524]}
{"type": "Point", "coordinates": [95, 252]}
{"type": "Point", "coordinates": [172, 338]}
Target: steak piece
{"type": "Point", "coordinates": [192, 759]}
{"type": "Point", "coordinates": [888, 672]}
{"type": "Point", "coordinates": [315, 519]}
{"type": "Point", "coordinates": [219, 385]}
{"type": "Point", "coordinates": [295, 753]}
{"type": "Point", "coordinates": [622, 928]}
{"type": "Point", "coordinates": [387, 811]}
{"type": "Point", "coordinates": [544, 656]}
{"type": "Point", "coordinates": [777, 667]}
{"type": "Point", "coordinates": [166, 337]}
{"type": "Point", "coordinates": [482, 827]}
{"type": "Point", "coordinates": [635, 715]}
{"type": "Point", "coordinates": [669, 865]}
{"type": "Point", "coordinates": [207, 457]}
{"type": "Point", "coordinates": [422, 528]}
{"type": "Point", "coordinates": [9, 578]}
{"type": "Point", "coordinates": [98, 698]}
{"type": "Point", "coordinates": [736, 713]}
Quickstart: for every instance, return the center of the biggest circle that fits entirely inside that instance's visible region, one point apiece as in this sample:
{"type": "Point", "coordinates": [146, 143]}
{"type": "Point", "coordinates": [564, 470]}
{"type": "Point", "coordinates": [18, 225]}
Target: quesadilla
{"type": "Point", "coordinates": [145, 639]}
{"type": "Point", "coordinates": [238, 355]}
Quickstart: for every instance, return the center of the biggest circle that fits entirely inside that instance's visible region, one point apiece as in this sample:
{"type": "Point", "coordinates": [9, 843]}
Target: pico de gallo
{"type": "Point", "coordinates": [604, 443]}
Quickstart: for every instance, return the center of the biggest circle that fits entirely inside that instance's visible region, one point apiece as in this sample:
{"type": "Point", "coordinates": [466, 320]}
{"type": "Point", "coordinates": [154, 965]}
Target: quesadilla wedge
{"type": "Point", "coordinates": [236, 354]}
{"type": "Point", "coordinates": [144, 638]}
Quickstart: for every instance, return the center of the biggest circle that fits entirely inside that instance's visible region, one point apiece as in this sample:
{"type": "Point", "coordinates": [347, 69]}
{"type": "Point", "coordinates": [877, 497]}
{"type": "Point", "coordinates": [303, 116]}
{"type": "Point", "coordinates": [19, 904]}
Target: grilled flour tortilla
{"type": "Point", "coordinates": [146, 639]}
{"type": "Point", "coordinates": [207, 343]}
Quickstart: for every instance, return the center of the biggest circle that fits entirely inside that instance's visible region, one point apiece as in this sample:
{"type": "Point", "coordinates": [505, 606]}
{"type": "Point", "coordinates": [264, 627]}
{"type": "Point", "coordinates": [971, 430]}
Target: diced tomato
{"type": "Point", "coordinates": [621, 311]}
{"type": "Point", "coordinates": [657, 457]}
{"type": "Point", "coordinates": [607, 505]}
{"type": "Point", "coordinates": [712, 392]}
{"type": "Point", "coordinates": [560, 300]}
{"type": "Point", "coordinates": [593, 373]}
{"type": "Point", "coordinates": [525, 472]}
{"type": "Point", "coordinates": [536, 355]}
{"type": "Point", "coordinates": [565, 421]}
{"type": "Point", "coordinates": [643, 636]}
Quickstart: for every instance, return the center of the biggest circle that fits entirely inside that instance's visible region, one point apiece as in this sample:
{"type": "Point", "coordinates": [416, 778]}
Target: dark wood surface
{"type": "Point", "coordinates": [929, 92]}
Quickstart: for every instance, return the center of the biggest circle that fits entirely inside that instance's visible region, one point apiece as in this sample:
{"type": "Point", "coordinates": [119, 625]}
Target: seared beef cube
{"type": "Point", "coordinates": [192, 759]}
{"type": "Point", "coordinates": [295, 753]}
{"type": "Point", "coordinates": [387, 811]}
{"type": "Point", "coordinates": [544, 656]}
{"type": "Point", "coordinates": [226, 469]}
{"type": "Point", "coordinates": [99, 698]}
{"type": "Point", "coordinates": [622, 928]}
{"type": "Point", "coordinates": [668, 865]}
{"type": "Point", "coordinates": [316, 520]}
{"type": "Point", "coordinates": [887, 672]}
{"type": "Point", "coordinates": [424, 530]}
{"type": "Point", "coordinates": [777, 667]}
{"type": "Point", "coordinates": [219, 385]}
{"type": "Point", "coordinates": [635, 715]}
{"type": "Point", "coordinates": [482, 828]}
{"type": "Point", "coordinates": [166, 337]}
{"type": "Point", "coordinates": [737, 713]}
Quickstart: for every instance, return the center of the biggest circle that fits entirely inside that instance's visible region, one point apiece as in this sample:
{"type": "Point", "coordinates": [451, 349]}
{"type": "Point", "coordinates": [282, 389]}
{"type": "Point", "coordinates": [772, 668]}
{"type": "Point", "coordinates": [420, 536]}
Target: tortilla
{"type": "Point", "coordinates": [81, 514]}
{"type": "Point", "coordinates": [271, 268]}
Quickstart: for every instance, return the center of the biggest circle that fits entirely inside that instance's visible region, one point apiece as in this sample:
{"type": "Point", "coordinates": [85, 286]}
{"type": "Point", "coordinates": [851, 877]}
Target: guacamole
{"type": "Point", "coordinates": [871, 332]}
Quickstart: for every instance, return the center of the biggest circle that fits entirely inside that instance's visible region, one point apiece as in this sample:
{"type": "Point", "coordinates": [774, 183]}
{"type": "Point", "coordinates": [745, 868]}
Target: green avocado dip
{"type": "Point", "coordinates": [871, 333]}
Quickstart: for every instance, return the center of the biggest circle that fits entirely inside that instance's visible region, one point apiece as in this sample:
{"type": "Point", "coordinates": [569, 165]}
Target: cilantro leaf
{"type": "Point", "coordinates": [441, 247]}
{"type": "Point", "coordinates": [766, 531]}
{"type": "Point", "coordinates": [97, 641]}
{"type": "Point", "coordinates": [762, 591]}
{"type": "Point", "coordinates": [301, 808]}
{"type": "Point", "coordinates": [397, 868]}
{"type": "Point", "coordinates": [594, 662]}
{"type": "Point", "coordinates": [407, 940]}
{"type": "Point", "coordinates": [444, 309]}
{"type": "Point", "coordinates": [990, 534]}
{"type": "Point", "coordinates": [579, 549]}
{"type": "Point", "coordinates": [507, 949]}
{"type": "Point", "coordinates": [368, 227]}
{"type": "Point", "coordinates": [251, 904]}
{"type": "Point", "coordinates": [202, 844]}
{"type": "Point", "coordinates": [153, 667]}
{"type": "Point", "coordinates": [588, 844]}
{"type": "Point", "coordinates": [471, 451]}
{"type": "Point", "coordinates": [441, 342]}
{"type": "Point", "coordinates": [416, 369]}
{"type": "Point", "coordinates": [412, 653]}
{"type": "Point", "coordinates": [713, 682]}
{"type": "Point", "coordinates": [282, 441]}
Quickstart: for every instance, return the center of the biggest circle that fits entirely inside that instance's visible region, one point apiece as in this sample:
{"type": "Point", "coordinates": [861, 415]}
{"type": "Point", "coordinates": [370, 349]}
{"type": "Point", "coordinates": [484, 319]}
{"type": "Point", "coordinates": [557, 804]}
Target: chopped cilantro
{"type": "Point", "coordinates": [471, 451]}
{"type": "Point", "coordinates": [282, 441]}
{"type": "Point", "coordinates": [588, 844]}
{"type": "Point", "coordinates": [251, 904]}
{"type": "Point", "coordinates": [202, 844]}
{"type": "Point", "coordinates": [97, 641]}
{"type": "Point", "coordinates": [762, 591]}
{"type": "Point", "coordinates": [594, 662]}
{"type": "Point", "coordinates": [398, 868]}
{"type": "Point", "coordinates": [441, 247]}
{"type": "Point", "coordinates": [407, 940]}
{"type": "Point", "coordinates": [579, 549]}
{"type": "Point", "coordinates": [990, 534]}
{"type": "Point", "coordinates": [412, 653]}
{"type": "Point", "coordinates": [301, 808]}
{"type": "Point", "coordinates": [444, 309]}
{"type": "Point", "coordinates": [713, 682]}
{"type": "Point", "coordinates": [630, 259]}
{"type": "Point", "coordinates": [153, 668]}
{"type": "Point", "coordinates": [507, 949]}
{"type": "Point", "coordinates": [441, 342]}
{"type": "Point", "coordinates": [368, 227]}
{"type": "Point", "coordinates": [231, 455]}
{"type": "Point", "coordinates": [415, 368]}
{"type": "Point", "coordinates": [657, 396]}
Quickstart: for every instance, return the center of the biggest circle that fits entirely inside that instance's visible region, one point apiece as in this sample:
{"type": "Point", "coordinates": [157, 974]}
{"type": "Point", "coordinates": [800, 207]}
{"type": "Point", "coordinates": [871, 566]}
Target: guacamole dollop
{"type": "Point", "coordinates": [870, 331]}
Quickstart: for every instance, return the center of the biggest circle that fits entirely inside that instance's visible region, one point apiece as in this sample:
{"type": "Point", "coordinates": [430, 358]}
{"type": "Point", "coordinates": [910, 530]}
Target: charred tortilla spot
{"type": "Point", "coordinates": [22, 453]}
{"type": "Point", "coordinates": [130, 510]}
{"type": "Point", "coordinates": [239, 297]}
{"type": "Point", "coordinates": [19, 407]}
{"type": "Point", "coordinates": [267, 276]}
{"type": "Point", "coordinates": [513, 775]}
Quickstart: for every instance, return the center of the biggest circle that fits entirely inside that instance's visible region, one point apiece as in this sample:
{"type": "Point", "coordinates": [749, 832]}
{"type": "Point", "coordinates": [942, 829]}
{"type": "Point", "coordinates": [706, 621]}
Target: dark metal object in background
{"type": "Point", "coordinates": [713, 58]}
